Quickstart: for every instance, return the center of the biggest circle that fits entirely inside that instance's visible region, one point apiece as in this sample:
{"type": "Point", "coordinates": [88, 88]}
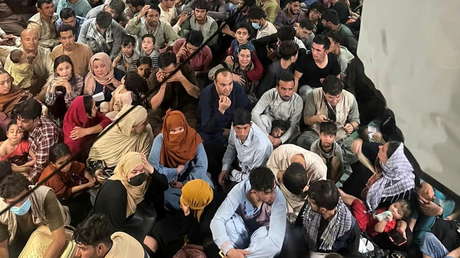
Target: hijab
{"type": "Point", "coordinates": [179, 148]}
{"type": "Point", "coordinates": [196, 194]}
{"type": "Point", "coordinates": [397, 178]}
{"type": "Point", "coordinates": [135, 194]}
{"type": "Point", "coordinates": [91, 78]}
{"type": "Point", "coordinates": [120, 139]}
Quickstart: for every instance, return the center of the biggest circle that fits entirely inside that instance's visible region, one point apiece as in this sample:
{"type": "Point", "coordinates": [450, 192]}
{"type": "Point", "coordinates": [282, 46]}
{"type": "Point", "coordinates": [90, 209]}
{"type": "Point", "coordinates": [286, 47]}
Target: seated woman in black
{"type": "Point", "coordinates": [121, 195]}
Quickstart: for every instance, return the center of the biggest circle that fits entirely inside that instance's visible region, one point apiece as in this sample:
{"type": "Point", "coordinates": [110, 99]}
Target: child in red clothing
{"type": "Point", "coordinates": [382, 220]}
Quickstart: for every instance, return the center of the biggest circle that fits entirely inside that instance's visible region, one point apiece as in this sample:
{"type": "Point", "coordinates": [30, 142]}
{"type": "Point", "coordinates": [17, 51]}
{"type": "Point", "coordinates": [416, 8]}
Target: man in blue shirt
{"type": "Point", "coordinates": [251, 222]}
{"type": "Point", "coordinates": [216, 106]}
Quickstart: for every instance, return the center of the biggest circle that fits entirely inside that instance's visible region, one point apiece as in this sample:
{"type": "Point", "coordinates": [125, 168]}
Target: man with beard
{"type": "Point", "coordinates": [42, 64]}
{"type": "Point", "coordinates": [44, 23]}
{"type": "Point", "coordinates": [251, 222]}
{"type": "Point", "coordinates": [102, 34]}
{"type": "Point", "coordinates": [329, 150]}
{"type": "Point", "coordinates": [79, 53]}
{"type": "Point", "coordinates": [328, 224]}
{"type": "Point", "coordinates": [200, 21]}
{"type": "Point", "coordinates": [280, 103]}
{"type": "Point", "coordinates": [290, 15]}
{"type": "Point", "coordinates": [331, 103]}
{"type": "Point", "coordinates": [148, 22]}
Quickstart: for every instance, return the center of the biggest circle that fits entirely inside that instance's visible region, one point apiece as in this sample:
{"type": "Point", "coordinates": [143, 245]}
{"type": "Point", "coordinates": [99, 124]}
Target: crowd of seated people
{"type": "Point", "coordinates": [203, 128]}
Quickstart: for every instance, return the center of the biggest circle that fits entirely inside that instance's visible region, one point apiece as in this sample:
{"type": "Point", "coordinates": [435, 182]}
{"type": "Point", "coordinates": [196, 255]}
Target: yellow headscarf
{"type": "Point", "coordinates": [196, 194]}
{"type": "Point", "coordinates": [128, 163]}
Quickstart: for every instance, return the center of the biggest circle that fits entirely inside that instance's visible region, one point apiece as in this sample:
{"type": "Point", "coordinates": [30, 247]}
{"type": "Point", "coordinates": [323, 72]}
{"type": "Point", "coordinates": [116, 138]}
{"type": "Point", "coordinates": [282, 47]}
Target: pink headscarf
{"type": "Point", "coordinates": [91, 78]}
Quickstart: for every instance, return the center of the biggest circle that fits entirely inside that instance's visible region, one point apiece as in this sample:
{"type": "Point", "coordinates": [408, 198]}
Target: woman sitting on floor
{"type": "Point", "coordinates": [178, 153]}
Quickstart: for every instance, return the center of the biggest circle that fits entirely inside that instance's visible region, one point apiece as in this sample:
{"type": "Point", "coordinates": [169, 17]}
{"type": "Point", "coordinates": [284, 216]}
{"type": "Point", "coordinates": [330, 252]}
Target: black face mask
{"type": "Point", "coordinates": [137, 180]}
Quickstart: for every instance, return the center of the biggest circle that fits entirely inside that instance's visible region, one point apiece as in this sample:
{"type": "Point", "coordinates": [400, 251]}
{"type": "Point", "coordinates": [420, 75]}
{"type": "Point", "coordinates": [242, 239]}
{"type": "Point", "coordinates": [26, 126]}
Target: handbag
{"type": "Point", "coordinates": [41, 239]}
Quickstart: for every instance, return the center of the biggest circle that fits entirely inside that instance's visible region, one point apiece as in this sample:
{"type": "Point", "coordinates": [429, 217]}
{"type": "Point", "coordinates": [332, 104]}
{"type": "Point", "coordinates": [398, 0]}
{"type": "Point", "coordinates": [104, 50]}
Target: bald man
{"type": "Point", "coordinates": [42, 64]}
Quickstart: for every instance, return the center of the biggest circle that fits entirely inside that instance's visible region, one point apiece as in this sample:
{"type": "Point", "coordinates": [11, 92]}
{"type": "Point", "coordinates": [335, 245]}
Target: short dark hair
{"type": "Point", "coordinates": [316, 6]}
{"type": "Point", "coordinates": [241, 117]}
{"type": "Point", "coordinates": [392, 146]}
{"type": "Point", "coordinates": [29, 109]}
{"type": "Point", "coordinates": [256, 13]}
{"type": "Point", "coordinates": [167, 58]}
{"type": "Point", "coordinates": [94, 230]}
{"type": "Point", "coordinates": [195, 38]}
{"type": "Point", "coordinates": [335, 36]}
{"type": "Point", "coordinates": [285, 76]}
{"type": "Point", "coordinates": [127, 39]}
{"type": "Point", "coordinates": [244, 25]}
{"type": "Point", "coordinates": [295, 178]}
{"type": "Point", "coordinates": [135, 83]}
{"type": "Point", "coordinates": [66, 13]}
{"type": "Point", "coordinates": [200, 4]}
{"type": "Point", "coordinates": [287, 49]}
{"type": "Point", "coordinates": [154, 6]}
{"type": "Point", "coordinates": [104, 19]}
{"type": "Point", "coordinates": [286, 33]}
{"type": "Point", "coordinates": [328, 128]}
{"type": "Point", "coordinates": [144, 60]}
{"type": "Point", "coordinates": [306, 24]}
{"type": "Point", "coordinates": [324, 193]}
{"type": "Point", "coordinates": [149, 36]}
{"type": "Point", "coordinates": [281, 124]}
{"type": "Point", "coordinates": [332, 85]}
{"type": "Point", "coordinates": [292, 1]}
{"type": "Point", "coordinates": [88, 103]}
{"type": "Point", "coordinates": [65, 27]}
{"type": "Point", "coordinates": [63, 59]}
{"type": "Point", "coordinates": [16, 56]}
{"type": "Point", "coordinates": [321, 39]}
{"type": "Point", "coordinates": [331, 15]}
{"type": "Point", "coordinates": [13, 185]}
{"type": "Point", "coordinates": [40, 3]}
{"type": "Point", "coordinates": [221, 70]}
{"type": "Point", "coordinates": [262, 179]}
{"type": "Point", "coordinates": [117, 5]}
{"type": "Point", "coordinates": [5, 169]}
{"type": "Point", "coordinates": [135, 3]}
{"type": "Point", "coordinates": [58, 151]}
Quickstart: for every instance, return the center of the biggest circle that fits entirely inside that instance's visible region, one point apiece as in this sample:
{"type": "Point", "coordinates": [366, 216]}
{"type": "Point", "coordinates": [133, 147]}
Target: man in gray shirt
{"type": "Point", "coordinates": [280, 103]}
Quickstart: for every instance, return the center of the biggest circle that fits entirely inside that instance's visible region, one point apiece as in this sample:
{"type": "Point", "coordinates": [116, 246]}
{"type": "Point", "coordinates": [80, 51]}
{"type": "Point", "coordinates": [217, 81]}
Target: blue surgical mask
{"type": "Point", "coordinates": [23, 209]}
{"type": "Point", "coordinates": [255, 25]}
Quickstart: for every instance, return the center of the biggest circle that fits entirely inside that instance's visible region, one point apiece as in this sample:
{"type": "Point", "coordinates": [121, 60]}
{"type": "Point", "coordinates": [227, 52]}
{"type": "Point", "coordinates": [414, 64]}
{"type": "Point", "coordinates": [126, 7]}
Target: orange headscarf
{"type": "Point", "coordinates": [177, 148]}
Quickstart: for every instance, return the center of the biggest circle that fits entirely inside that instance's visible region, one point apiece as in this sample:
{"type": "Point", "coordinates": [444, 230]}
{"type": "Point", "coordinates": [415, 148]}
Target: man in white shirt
{"type": "Point", "coordinates": [263, 27]}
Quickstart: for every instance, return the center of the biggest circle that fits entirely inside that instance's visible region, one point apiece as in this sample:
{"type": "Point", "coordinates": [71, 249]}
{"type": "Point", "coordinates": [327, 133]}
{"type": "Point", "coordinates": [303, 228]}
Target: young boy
{"type": "Point", "coordinates": [382, 220]}
{"type": "Point", "coordinates": [148, 49]}
{"type": "Point", "coordinates": [242, 35]}
{"type": "Point", "coordinates": [21, 70]}
{"type": "Point", "coordinates": [126, 60]}
{"type": "Point", "coordinates": [329, 150]}
{"type": "Point", "coordinates": [144, 66]}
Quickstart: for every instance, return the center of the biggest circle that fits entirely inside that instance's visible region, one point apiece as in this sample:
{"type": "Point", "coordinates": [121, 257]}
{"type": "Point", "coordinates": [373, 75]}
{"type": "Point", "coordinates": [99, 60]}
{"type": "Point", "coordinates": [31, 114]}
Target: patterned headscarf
{"type": "Point", "coordinates": [397, 178]}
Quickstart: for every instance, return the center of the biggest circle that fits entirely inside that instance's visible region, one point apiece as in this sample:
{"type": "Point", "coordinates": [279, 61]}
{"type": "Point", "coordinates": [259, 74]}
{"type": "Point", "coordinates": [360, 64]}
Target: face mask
{"type": "Point", "coordinates": [137, 180]}
{"type": "Point", "coordinates": [23, 209]}
{"type": "Point", "coordinates": [255, 25]}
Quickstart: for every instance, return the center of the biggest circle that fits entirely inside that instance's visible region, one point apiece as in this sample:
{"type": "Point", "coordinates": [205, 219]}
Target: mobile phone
{"type": "Point", "coordinates": [396, 238]}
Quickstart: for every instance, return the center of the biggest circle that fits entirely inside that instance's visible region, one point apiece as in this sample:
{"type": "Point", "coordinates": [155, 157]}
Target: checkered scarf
{"type": "Point", "coordinates": [341, 223]}
{"type": "Point", "coordinates": [397, 178]}
{"type": "Point", "coordinates": [97, 39]}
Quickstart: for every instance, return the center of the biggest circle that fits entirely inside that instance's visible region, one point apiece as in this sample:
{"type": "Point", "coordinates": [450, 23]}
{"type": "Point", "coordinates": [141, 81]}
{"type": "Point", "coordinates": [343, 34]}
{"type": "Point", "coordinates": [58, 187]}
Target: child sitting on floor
{"type": "Point", "coordinates": [382, 220]}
